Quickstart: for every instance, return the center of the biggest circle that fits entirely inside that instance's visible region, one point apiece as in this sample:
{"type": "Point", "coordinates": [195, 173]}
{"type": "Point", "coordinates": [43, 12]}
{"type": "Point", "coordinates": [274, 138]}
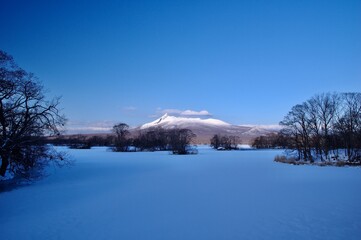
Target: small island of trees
{"type": "Point", "coordinates": [154, 139]}
{"type": "Point", "coordinates": [224, 142]}
{"type": "Point", "coordinates": [177, 140]}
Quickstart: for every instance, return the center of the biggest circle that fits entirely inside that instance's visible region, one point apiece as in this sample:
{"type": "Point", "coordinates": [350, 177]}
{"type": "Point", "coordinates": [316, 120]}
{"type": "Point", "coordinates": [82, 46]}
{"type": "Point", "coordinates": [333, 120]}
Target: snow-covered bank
{"type": "Point", "coordinates": [212, 195]}
{"type": "Point", "coordinates": [337, 158]}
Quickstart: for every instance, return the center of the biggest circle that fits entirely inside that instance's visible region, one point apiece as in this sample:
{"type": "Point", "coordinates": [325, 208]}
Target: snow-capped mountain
{"type": "Point", "coordinates": [167, 121]}
{"type": "Point", "coordinates": [206, 128]}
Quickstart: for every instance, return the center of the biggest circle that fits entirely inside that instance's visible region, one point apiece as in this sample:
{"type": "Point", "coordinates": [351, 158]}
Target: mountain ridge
{"type": "Point", "coordinates": [205, 129]}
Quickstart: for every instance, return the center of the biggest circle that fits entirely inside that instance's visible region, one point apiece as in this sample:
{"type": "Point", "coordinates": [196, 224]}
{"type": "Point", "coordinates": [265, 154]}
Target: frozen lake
{"type": "Point", "coordinates": [212, 195]}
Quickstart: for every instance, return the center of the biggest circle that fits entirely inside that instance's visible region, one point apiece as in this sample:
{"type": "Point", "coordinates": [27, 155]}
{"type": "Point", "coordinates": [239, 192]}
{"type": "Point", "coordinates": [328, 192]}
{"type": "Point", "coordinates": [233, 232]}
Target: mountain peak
{"type": "Point", "coordinates": [168, 121]}
{"type": "Point", "coordinates": [206, 128]}
{"type": "Point", "coordinates": [162, 118]}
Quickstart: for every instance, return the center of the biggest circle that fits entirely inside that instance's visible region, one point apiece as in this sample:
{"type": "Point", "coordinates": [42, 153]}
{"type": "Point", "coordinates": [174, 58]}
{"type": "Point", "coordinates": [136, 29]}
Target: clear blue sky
{"type": "Point", "coordinates": [245, 62]}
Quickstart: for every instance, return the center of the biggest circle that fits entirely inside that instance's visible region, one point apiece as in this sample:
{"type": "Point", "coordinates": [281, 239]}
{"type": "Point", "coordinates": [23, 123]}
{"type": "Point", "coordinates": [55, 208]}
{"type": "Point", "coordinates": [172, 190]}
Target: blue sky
{"type": "Point", "coordinates": [245, 62]}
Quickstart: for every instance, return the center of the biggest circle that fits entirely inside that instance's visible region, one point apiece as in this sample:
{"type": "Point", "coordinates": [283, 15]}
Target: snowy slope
{"type": "Point", "coordinates": [213, 195]}
{"type": "Point", "coordinates": [206, 128]}
{"type": "Point", "coordinates": [167, 121]}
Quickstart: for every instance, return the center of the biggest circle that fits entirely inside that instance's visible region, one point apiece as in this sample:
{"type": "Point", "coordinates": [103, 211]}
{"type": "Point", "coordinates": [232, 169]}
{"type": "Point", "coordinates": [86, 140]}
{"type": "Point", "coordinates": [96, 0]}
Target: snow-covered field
{"type": "Point", "coordinates": [212, 195]}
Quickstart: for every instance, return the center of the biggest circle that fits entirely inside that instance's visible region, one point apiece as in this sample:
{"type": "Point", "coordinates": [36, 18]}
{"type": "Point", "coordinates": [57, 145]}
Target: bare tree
{"type": "Point", "coordinates": [234, 141]}
{"type": "Point", "coordinates": [25, 116]}
{"type": "Point", "coordinates": [348, 125]}
{"type": "Point", "coordinates": [121, 131]}
{"type": "Point", "coordinates": [326, 109]}
{"type": "Point", "coordinates": [216, 141]}
{"type": "Point", "coordinates": [324, 125]}
{"type": "Point", "coordinates": [297, 128]}
{"type": "Point", "coordinates": [271, 140]}
{"type": "Point", "coordinates": [179, 140]}
{"type": "Point", "coordinates": [152, 139]}
{"type": "Point", "coordinates": [314, 124]}
{"type": "Point", "coordinates": [224, 142]}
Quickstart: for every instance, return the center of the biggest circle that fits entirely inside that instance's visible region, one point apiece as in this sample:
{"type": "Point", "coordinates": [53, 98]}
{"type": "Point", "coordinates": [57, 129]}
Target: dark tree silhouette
{"type": "Point", "coordinates": [326, 127]}
{"type": "Point", "coordinates": [152, 139]}
{"type": "Point", "coordinates": [25, 117]}
{"type": "Point", "coordinates": [216, 141]}
{"type": "Point", "coordinates": [179, 140]}
{"type": "Point", "coordinates": [220, 142]}
{"type": "Point", "coordinates": [348, 125]}
{"type": "Point", "coordinates": [272, 140]}
{"type": "Point", "coordinates": [121, 132]}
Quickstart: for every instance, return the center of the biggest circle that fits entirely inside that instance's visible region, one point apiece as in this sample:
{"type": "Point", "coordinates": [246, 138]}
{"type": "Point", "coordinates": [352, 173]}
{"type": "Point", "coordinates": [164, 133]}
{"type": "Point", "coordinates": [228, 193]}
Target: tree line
{"type": "Point", "coordinates": [153, 139]}
{"type": "Point", "coordinates": [224, 142]}
{"type": "Point", "coordinates": [178, 141]}
{"type": "Point", "coordinates": [80, 141]}
{"type": "Point", "coordinates": [325, 127]}
{"type": "Point", "coordinates": [271, 141]}
{"type": "Point", "coordinates": [230, 142]}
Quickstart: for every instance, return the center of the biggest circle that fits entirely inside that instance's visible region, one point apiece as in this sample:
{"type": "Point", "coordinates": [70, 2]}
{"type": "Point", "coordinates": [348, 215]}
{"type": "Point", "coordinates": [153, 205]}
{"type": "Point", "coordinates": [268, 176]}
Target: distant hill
{"type": "Point", "coordinates": [206, 128]}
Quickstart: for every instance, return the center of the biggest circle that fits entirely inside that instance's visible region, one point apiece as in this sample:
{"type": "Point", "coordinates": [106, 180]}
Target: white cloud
{"type": "Point", "coordinates": [195, 113]}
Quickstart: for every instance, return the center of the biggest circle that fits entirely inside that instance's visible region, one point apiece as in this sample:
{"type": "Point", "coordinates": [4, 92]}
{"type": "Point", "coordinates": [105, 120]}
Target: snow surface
{"type": "Point", "coordinates": [212, 195]}
{"type": "Point", "coordinates": [167, 120]}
